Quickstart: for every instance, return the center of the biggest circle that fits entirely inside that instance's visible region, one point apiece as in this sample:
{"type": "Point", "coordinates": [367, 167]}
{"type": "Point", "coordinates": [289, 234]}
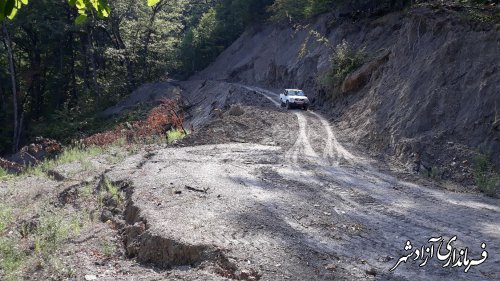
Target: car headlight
{"type": "Point", "coordinates": [292, 100]}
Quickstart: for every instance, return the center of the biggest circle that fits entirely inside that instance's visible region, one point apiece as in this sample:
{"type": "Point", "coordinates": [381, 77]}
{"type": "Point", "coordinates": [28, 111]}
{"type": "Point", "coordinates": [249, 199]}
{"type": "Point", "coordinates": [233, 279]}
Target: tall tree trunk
{"type": "Point", "coordinates": [156, 9]}
{"type": "Point", "coordinates": [74, 96]}
{"type": "Point", "coordinates": [120, 45]}
{"type": "Point", "coordinates": [36, 83]}
{"type": "Point", "coordinates": [3, 101]}
{"type": "Point", "coordinates": [33, 75]}
{"type": "Point", "coordinates": [19, 131]}
{"type": "Point", "coordinates": [8, 45]}
{"type": "Point", "coordinates": [93, 71]}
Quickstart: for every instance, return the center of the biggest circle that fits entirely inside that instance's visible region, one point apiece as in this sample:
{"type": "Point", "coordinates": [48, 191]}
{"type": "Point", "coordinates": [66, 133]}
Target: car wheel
{"type": "Point", "coordinates": [288, 105]}
{"type": "Point", "coordinates": [283, 104]}
{"type": "Point", "coordinates": [306, 108]}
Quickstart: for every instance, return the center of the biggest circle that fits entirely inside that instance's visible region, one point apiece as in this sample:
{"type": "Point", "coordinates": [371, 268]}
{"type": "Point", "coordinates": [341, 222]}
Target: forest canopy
{"type": "Point", "coordinates": [62, 61]}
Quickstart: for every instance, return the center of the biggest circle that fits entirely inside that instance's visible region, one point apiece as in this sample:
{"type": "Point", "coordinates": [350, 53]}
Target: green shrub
{"type": "Point", "coordinates": [3, 174]}
{"type": "Point", "coordinates": [485, 177]}
{"type": "Point", "coordinates": [480, 2]}
{"type": "Point", "coordinates": [316, 7]}
{"type": "Point", "coordinates": [288, 10]}
{"type": "Point", "coordinates": [296, 10]}
{"type": "Point", "coordinates": [345, 59]}
{"type": "Point", "coordinates": [174, 135]}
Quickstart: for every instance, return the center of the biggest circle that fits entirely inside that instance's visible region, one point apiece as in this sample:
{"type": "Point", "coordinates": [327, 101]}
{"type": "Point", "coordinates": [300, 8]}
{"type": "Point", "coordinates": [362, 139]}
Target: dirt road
{"type": "Point", "coordinates": [306, 209]}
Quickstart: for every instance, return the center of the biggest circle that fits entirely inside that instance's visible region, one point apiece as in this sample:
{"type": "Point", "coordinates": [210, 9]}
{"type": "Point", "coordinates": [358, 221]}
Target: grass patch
{"type": "Point", "coordinates": [54, 228]}
{"type": "Point", "coordinates": [69, 155]}
{"type": "Point", "coordinates": [114, 191]}
{"type": "Point", "coordinates": [487, 180]}
{"type": "Point", "coordinates": [11, 259]}
{"type": "Point", "coordinates": [87, 191]}
{"type": "Point", "coordinates": [108, 249]}
{"type": "Point", "coordinates": [435, 173]}
{"type": "Point", "coordinates": [5, 218]}
{"type": "Point", "coordinates": [175, 135]}
{"type": "Point", "coordinates": [110, 194]}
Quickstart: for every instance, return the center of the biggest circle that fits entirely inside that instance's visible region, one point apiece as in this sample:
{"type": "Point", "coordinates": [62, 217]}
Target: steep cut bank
{"type": "Point", "coordinates": [427, 96]}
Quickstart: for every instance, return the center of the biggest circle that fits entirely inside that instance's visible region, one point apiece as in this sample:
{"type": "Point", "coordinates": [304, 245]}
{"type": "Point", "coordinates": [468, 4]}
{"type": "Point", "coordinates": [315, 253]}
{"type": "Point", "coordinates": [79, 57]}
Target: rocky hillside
{"type": "Point", "coordinates": [427, 95]}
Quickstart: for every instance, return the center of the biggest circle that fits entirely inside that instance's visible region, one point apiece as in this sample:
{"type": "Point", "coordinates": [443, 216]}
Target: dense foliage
{"type": "Point", "coordinates": [217, 28]}
{"type": "Point", "coordinates": [64, 67]}
{"type": "Point", "coordinates": [64, 71]}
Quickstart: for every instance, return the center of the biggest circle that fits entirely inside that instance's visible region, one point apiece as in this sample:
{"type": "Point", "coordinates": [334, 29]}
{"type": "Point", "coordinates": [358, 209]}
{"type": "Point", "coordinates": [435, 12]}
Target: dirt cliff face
{"type": "Point", "coordinates": [430, 92]}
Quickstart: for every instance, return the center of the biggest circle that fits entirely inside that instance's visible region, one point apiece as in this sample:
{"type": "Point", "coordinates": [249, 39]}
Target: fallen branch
{"type": "Point", "coordinates": [196, 189]}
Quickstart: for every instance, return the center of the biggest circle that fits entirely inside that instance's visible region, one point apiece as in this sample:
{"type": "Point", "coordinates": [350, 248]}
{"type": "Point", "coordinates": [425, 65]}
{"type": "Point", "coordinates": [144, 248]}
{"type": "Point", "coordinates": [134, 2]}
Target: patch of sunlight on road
{"type": "Point", "coordinates": [474, 204]}
{"type": "Point", "coordinates": [293, 174]}
{"type": "Point", "coordinates": [491, 228]}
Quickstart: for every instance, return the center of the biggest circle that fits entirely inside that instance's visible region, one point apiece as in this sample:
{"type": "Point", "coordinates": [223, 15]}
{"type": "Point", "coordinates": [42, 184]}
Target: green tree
{"type": "Point", "coordinates": [9, 8]}
{"type": "Point", "coordinates": [288, 10]}
{"type": "Point", "coordinates": [217, 28]}
{"type": "Point", "coordinates": [64, 73]}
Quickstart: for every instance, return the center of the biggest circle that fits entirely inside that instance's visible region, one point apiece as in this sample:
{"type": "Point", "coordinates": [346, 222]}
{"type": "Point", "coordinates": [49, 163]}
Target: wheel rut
{"type": "Point", "coordinates": [384, 213]}
{"type": "Point", "coordinates": [308, 210]}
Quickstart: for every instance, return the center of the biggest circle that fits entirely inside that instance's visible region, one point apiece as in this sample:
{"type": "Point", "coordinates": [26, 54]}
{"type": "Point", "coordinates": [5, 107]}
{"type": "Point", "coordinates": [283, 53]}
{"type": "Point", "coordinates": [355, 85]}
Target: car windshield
{"type": "Point", "coordinates": [297, 93]}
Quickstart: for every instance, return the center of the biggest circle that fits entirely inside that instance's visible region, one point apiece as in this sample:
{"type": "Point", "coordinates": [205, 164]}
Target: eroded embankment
{"type": "Point", "coordinates": [427, 96]}
{"type": "Point", "coordinates": [163, 253]}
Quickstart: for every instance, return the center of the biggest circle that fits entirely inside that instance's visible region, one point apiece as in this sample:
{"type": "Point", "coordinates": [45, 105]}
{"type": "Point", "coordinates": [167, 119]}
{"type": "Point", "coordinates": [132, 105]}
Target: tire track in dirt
{"type": "Point", "coordinates": [302, 148]}
{"type": "Point", "coordinates": [333, 148]}
{"type": "Point", "coordinates": [317, 211]}
{"type": "Point", "coordinates": [332, 151]}
{"type": "Point", "coordinates": [390, 208]}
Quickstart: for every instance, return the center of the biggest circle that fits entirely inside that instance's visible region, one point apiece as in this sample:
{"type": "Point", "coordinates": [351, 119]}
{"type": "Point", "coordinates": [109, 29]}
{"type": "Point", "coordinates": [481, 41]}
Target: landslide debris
{"type": "Point", "coordinates": [429, 100]}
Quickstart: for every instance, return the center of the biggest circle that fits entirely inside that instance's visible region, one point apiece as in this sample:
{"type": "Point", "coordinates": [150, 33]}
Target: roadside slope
{"type": "Point", "coordinates": [300, 208]}
{"type": "Point", "coordinates": [428, 96]}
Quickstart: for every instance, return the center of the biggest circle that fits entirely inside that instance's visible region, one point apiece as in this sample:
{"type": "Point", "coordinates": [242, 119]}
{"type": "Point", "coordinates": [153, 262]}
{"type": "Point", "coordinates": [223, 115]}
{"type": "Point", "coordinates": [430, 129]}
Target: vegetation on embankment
{"type": "Point", "coordinates": [36, 234]}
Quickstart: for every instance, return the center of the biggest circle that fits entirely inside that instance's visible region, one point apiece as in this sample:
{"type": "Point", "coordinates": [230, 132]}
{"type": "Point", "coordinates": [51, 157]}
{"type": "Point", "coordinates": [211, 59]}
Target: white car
{"type": "Point", "coordinates": [291, 98]}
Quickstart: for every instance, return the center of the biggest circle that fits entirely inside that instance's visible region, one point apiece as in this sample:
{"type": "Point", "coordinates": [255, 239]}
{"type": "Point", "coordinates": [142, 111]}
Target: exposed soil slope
{"type": "Point", "coordinates": [429, 93]}
{"type": "Point", "coordinates": [308, 209]}
{"type": "Point", "coordinates": [288, 201]}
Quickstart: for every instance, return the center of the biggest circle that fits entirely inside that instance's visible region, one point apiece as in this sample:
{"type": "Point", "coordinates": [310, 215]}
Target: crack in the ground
{"type": "Point", "coordinates": [151, 249]}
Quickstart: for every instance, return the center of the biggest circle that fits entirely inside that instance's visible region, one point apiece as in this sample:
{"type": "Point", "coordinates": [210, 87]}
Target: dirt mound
{"type": "Point", "coordinates": [245, 124]}
{"type": "Point", "coordinates": [31, 155]}
{"type": "Point", "coordinates": [434, 95]}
